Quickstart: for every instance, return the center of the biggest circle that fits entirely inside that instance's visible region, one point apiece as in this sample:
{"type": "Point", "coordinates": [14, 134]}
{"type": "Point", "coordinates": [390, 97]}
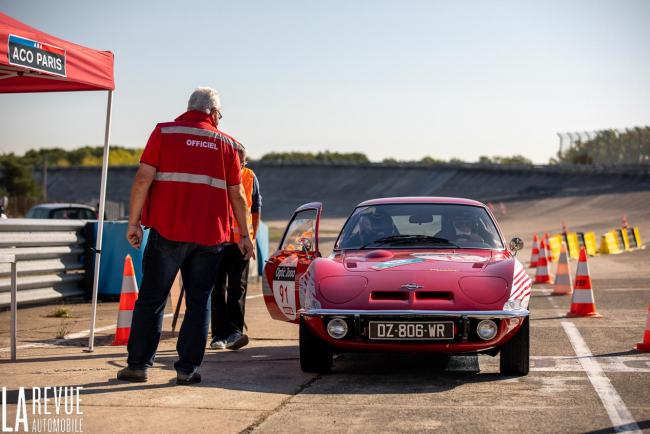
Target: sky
{"type": "Point", "coordinates": [404, 80]}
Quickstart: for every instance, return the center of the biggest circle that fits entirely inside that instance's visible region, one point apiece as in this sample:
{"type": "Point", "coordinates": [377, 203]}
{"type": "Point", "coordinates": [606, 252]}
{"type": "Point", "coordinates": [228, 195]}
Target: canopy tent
{"type": "Point", "coordinates": [33, 61]}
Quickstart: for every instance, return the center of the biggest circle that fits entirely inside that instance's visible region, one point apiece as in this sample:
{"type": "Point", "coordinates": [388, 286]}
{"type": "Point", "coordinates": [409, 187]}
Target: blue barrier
{"type": "Point", "coordinates": [115, 247]}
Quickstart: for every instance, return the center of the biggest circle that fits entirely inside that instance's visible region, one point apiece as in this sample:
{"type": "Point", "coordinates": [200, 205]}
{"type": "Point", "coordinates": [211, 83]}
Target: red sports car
{"type": "Point", "coordinates": [409, 274]}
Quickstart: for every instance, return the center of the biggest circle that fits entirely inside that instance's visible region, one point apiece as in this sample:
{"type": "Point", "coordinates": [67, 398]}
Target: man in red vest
{"type": "Point", "coordinates": [229, 294]}
{"type": "Point", "coordinates": [189, 177]}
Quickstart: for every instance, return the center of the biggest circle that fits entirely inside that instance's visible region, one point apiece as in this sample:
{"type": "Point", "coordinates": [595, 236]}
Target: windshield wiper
{"type": "Point", "coordinates": [412, 239]}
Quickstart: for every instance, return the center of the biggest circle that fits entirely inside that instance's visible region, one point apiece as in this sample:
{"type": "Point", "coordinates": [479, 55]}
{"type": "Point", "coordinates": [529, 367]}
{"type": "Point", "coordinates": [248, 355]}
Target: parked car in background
{"type": "Point", "coordinates": [73, 211]}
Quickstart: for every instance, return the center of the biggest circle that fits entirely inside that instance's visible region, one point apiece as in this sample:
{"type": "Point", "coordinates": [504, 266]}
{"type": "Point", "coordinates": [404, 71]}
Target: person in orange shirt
{"type": "Point", "coordinates": [229, 293]}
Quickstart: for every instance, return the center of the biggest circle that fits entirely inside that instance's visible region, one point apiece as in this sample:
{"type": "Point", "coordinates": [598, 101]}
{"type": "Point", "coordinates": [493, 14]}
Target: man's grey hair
{"type": "Point", "coordinates": [204, 99]}
{"type": "Point", "coordinates": [242, 152]}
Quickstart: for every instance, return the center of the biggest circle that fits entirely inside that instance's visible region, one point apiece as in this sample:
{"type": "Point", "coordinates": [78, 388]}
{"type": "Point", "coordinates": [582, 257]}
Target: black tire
{"type": "Point", "coordinates": [515, 354]}
{"type": "Point", "coordinates": [315, 355]}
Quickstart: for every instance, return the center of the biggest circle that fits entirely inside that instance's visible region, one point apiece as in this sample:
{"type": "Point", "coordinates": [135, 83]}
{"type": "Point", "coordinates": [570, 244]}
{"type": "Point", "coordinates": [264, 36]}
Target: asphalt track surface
{"type": "Point", "coordinates": [585, 376]}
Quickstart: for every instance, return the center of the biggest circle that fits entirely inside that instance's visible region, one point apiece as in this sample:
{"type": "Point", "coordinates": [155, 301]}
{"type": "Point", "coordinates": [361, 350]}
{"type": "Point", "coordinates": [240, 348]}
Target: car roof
{"type": "Point", "coordinates": [63, 205]}
{"type": "Point", "coordinates": [421, 199]}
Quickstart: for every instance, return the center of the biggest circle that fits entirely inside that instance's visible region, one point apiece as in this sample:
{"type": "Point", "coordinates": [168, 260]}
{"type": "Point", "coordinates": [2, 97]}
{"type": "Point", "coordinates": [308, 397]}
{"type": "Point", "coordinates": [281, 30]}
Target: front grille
{"type": "Point", "coordinates": [434, 295]}
{"type": "Point", "coordinates": [464, 328]}
{"type": "Point", "coordinates": [389, 295]}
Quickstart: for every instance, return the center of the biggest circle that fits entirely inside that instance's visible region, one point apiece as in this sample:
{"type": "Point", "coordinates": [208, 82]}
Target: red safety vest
{"type": "Point", "coordinates": [195, 163]}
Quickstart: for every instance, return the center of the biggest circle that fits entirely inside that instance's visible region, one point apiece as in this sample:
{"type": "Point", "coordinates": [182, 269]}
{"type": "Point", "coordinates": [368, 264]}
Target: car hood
{"type": "Point", "coordinates": [405, 261]}
{"type": "Point", "coordinates": [463, 279]}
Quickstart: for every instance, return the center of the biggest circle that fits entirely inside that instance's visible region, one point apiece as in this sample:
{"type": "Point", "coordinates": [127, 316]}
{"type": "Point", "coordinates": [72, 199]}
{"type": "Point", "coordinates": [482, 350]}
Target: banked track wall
{"type": "Point", "coordinates": [340, 187]}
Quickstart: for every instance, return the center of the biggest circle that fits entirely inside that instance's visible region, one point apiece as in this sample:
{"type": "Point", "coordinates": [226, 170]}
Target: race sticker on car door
{"type": "Point", "coordinates": [284, 286]}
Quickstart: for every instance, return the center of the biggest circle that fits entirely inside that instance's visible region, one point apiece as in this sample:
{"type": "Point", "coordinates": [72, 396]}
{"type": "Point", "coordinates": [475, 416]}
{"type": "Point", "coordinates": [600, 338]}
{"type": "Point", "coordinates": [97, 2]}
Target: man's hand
{"type": "Point", "coordinates": [246, 248]}
{"type": "Point", "coordinates": [134, 235]}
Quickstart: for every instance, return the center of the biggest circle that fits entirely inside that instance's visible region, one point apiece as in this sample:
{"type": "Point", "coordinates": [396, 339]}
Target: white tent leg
{"type": "Point", "coordinates": [100, 221]}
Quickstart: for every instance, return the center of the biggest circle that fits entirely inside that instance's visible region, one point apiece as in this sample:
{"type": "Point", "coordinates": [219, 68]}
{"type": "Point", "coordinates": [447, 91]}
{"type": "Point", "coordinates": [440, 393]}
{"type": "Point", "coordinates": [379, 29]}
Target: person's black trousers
{"type": "Point", "coordinates": [161, 261]}
{"type": "Point", "coordinates": [229, 294]}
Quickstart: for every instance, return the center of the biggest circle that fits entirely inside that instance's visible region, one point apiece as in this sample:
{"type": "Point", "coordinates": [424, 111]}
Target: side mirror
{"type": "Point", "coordinates": [306, 245]}
{"type": "Point", "coordinates": [516, 244]}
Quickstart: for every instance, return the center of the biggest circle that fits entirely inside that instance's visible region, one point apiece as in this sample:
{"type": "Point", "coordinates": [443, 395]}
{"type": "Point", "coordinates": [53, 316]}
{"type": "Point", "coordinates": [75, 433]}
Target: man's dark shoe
{"type": "Point", "coordinates": [133, 375]}
{"type": "Point", "coordinates": [188, 378]}
{"type": "Point", "coordinates": [236, 340]}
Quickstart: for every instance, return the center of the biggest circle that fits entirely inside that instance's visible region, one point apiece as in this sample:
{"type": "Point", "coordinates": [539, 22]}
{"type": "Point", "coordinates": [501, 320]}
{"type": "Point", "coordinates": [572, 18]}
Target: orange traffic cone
{"type": "Point", "coordinates": [582, 303]}
{"type": "Point", "coordinates": [645, 345]}
{"type": "Point", "coordinates": [534, 255]}
{"type": "Point", "coordinates": [624, 223]}
{"type": "Point", "coordinates": [541, 274]}
{"type": "Point", "coordinates": [549, 253]}
{"type": "Point", "coordinates": [128, 296]}
{"type": "Point", "coordinates": [562, 284]}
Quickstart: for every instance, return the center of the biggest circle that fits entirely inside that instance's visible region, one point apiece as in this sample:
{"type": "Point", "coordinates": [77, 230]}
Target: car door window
{"type": "Point", "coordinates": [67, 213]}
{"type": "Point", "coordinates": [302, 226]}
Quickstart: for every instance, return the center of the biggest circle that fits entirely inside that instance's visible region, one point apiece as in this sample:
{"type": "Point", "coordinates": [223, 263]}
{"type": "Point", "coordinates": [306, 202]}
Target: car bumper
{"type": "Point", "coordinates": [482, 314]}
{"type": "Point", "coordinates": [465, 339]}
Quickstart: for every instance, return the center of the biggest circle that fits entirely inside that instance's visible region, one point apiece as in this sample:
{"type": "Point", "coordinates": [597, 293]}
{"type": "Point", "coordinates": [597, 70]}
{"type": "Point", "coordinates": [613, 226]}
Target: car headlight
{"type": "Point", "coordinates": [513, 305]}
{"type": "Point", "coordinates": [337, 328]}
{"type": "Point", "coordinates": [486, 329]}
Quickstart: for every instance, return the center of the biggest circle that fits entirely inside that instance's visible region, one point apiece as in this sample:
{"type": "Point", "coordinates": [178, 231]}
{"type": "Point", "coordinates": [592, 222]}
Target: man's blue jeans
{"type": "Point", "coordinates": [161, 261]}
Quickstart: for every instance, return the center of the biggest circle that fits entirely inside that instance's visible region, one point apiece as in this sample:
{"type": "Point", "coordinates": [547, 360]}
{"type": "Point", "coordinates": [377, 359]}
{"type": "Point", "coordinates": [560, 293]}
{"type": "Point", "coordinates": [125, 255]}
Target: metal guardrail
{"type": "Point", "coordinates": [48, 259]}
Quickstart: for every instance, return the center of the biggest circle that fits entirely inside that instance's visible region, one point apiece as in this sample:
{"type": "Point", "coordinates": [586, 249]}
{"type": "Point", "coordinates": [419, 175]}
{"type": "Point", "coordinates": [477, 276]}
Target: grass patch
{"type": "Point", "coordinates": [60, 312]}
{"type": "Point", "coordinates": [63, 329]}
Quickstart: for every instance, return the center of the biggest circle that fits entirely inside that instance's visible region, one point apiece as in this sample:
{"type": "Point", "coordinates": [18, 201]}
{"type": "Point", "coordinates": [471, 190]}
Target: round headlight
{"type": "Point", "coordinates": [337, 328]}
{"type": "Point", "coordinates": [486, 329]}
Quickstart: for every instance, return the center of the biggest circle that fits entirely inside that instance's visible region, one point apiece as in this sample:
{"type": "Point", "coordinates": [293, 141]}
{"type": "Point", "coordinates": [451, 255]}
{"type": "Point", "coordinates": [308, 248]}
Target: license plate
{"type": "Point", "coordinates": [412, 330]}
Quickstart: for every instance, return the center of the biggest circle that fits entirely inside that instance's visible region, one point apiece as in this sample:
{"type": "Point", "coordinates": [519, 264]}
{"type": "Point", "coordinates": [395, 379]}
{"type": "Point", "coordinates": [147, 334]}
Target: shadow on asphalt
{"type": "Point", "coordinates": [620, 428]}
{"type": "Point", "coordinates": [276, 369]}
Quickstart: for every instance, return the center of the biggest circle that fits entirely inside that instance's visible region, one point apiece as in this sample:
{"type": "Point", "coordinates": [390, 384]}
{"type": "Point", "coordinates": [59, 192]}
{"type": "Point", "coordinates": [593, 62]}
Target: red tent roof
{"type": "Point", "coordinates": [33, 61]}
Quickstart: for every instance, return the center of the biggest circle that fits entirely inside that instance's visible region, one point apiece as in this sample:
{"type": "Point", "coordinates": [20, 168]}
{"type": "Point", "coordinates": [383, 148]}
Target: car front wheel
{"type": "Point", "coordinates": [515, 354]}
{"type": "Point", "coordinates": [315, 355]}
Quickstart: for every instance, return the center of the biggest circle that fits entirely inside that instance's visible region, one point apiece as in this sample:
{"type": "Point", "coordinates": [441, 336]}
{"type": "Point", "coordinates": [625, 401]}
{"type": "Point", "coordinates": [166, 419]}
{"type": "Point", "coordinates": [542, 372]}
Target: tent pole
{"type": "Point", "coordinates": [100, 222]}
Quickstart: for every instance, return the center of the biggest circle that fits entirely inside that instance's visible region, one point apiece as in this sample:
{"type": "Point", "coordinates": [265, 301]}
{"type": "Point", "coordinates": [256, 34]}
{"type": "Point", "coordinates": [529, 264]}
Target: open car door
{"type": "Point", "coordinates": [298, 248]}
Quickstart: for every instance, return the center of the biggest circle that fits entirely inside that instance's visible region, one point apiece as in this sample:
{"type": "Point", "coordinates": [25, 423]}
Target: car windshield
{"type": "Point", "coordinates": [38, 213]}
{"type": "Point", "coordinates": [423, 225]}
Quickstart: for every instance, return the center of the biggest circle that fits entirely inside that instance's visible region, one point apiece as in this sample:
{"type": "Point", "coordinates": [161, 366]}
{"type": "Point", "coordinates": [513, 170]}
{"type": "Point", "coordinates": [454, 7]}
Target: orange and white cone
{"type": "Point", "coordinates": [562, 285]}
{"type": "Point", "coordinates": [645, 345]}
{"type": "Point", "coordinates": [549, 253]}
{"type": "Point", "coordinates": [582, 303]}
{"type": "Point", "coordinates": [541, 274]}
{"type": "Point", "coordinates": [128, 296]}
{"type": "Point", "coordinates": [534, 255]}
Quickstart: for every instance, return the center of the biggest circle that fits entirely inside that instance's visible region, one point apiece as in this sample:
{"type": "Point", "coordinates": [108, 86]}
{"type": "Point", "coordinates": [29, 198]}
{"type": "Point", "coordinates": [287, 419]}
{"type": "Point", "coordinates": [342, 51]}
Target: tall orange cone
{"type": "Point", "coordinates": [128, 296]}
{"type": "Point", "coordinates": [549, 253]}
{"type": "Point", "coordinates": [645, 345]}
{"type": "Point", "coordinates": [562, 285]}
{"type": "Point", "coordinates": [582, 303]}
{"type": "Point", "coordinates": [534, 255]}
{"type": "Point", "coordinates": [541, 274]}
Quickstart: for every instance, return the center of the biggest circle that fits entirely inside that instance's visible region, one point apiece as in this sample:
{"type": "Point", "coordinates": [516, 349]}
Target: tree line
{"type": "Point", "coordinates": [609, 147]}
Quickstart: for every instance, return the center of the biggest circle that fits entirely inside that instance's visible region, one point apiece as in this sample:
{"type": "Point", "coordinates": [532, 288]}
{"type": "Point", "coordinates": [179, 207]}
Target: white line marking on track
{"type": "Point", "coordinates": [83, 334]}
{"type": "Point", "coordinates": [617, 411]}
